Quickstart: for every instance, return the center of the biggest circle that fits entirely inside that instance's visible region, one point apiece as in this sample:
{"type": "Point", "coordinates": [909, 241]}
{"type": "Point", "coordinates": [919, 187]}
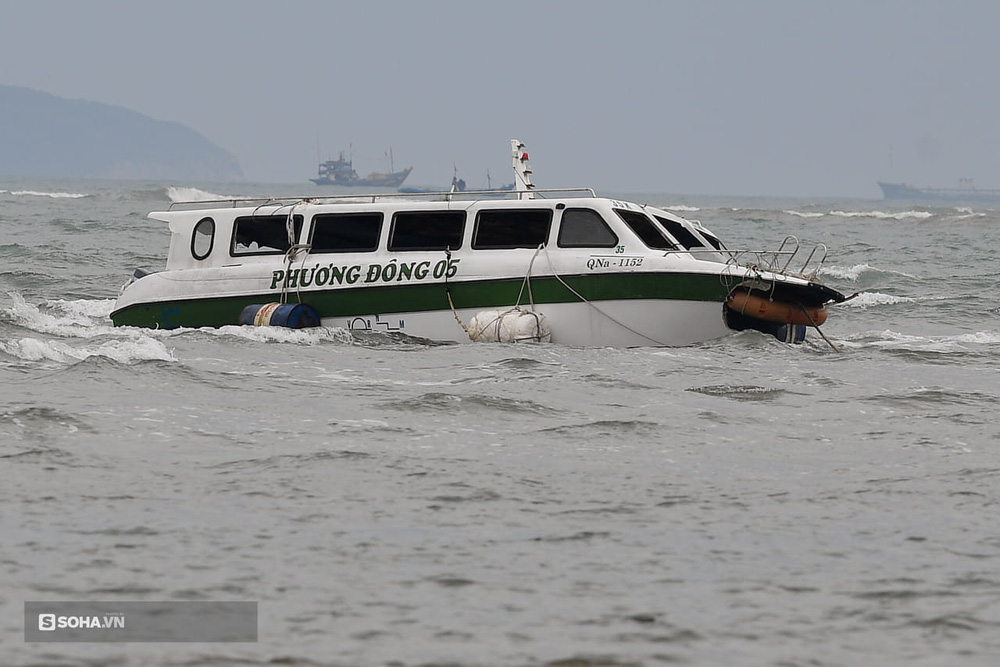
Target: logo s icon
{"type": "Point", "coordinates": [46, 621]}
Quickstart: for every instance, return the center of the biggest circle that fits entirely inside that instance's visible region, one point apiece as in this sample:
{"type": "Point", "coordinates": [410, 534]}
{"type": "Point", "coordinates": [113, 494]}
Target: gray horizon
{"type": "Point", "coordinates": [770, 98]}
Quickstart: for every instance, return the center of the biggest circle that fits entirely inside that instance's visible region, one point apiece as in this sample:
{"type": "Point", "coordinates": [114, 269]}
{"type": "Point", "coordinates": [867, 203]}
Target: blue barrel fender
{"type": "Point", "coordinates": [291, 315]}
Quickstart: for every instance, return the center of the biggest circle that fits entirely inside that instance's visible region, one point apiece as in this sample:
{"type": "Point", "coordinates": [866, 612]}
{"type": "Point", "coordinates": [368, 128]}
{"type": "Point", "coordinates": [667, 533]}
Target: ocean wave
{"type": "Point", "coordinates": [882, 215]}
{"type": "Point", "coordinates": [50, 195]}
{"type": "Point", "coordinates": [682, 207]}
{"type": "Point", "coordinates": [93, 308]}
{"type": "Point", "coordinates": [893, 340]}
{"type": "Point", "coordinates": [179, 194]}
{"type": "Point", "coordinates": [89, 318]}
{"type": "Point", "coordinates": [878, 215]}
{"type": "Point", "coordinates": [966, 213]}
{"type": "Point", "coordinates": [871, 299]}
{"type": "Point", "coordinates": [126, 351]}
{"type": "Point", "coordinates": [81, 318]}
{"type": "Point", "coordinates": [310, 336]}
{"type": "Point", "coordinates": [852, 273]}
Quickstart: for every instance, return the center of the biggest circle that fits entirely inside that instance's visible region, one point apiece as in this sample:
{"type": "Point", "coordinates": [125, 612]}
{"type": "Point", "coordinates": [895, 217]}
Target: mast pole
{"type": "Point", "coordinates": [522, 170]}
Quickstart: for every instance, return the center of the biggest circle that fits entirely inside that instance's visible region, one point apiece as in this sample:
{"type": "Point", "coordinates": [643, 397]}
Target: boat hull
{"type": "Point", "coordinates": [631, 309]}
{"type": "Point", "coordinates": [602, 272]}
{"type": "Point", "coordinates": [392, 180]}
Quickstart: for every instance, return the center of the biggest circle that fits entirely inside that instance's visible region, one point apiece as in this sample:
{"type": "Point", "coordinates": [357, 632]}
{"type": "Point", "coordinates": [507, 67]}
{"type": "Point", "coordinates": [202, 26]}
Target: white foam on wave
{"type": "Point", "coordinates": [967, 213]}
{"type": "Point", "coordinates": [51, 195]}
{"type": "Point", "coordinates": [882, 215]}
{"type": "Point", "coordinates": [979, 338]}
{"type": "Point", "coordinates": [93, 308]}
{"type": "Point", "coordinates": [892, 340]}
{"type": "Point", "coordinates": [179, 194]}
{"type": "Point", "coordinates": [142, 348]}
{"type": "Point", "coordinates": [310, 336]}
{"type": "Point", "coordinates": [82, 318]}
{"type": "Point", "coordinates": [79, 319]}
{"type": "Point", "coordinates": [871, 299]}
{"type": "Point", "coordinates": [805, 214]}
{"type": "Point", "coordinates": [854, 273]}
{"type": "Point", "coordinates": [846, 272]}
{"type": "Point", "coordinates": [682, 207]}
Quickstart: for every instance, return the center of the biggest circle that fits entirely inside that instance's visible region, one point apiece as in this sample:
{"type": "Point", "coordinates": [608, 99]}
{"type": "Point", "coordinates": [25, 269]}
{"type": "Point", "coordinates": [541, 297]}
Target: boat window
{"type": "Point", "coordinates": [512, 228]}
{"type": "Point", "coordinates": [713, 241]}
{"type": "Point", "coordinates": [646, 230]}
{"type": "Point", "coordinates": [680, 232]}
{"type": "Point", "coordinates": [585, 228]}
{"type": "Point", "coordinates": [203, 238]}
{"type": "Point", "coordinates": [427, 230]}
{"type": "Point", "coordinates": [345, 232]}
{"type": "Point", "coordinates": [262, 234]}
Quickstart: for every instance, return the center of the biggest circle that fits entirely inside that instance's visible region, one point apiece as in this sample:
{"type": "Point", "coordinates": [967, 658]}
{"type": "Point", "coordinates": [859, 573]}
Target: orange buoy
{"type": "Point", "coordinates": [776, 311]}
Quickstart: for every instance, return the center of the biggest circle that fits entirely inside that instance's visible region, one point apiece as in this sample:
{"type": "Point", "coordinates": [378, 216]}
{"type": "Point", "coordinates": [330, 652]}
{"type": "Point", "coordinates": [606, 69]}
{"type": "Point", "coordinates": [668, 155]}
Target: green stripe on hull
{"type": "Point", "coordinates": [386, 300]}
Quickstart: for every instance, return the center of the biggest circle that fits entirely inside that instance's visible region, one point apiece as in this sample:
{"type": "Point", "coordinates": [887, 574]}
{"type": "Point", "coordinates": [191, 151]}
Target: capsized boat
{"type": "Point", "coordinates": [565, 266]}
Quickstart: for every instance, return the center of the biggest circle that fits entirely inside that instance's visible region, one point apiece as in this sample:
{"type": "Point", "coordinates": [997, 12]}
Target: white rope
{"type": "Point", "coordinates": [582, 298]}
{"type": "Point", "coordinates": [527, 280]}
{"type": "Point", "coordinates": [292, 253]}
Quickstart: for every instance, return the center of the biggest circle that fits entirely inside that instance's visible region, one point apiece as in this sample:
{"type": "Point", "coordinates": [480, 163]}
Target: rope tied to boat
{"type": "Point", "coordinates": [447, 291]}
{"type": "Point", "coordinates": [292, 254]}
{"type": "Point", "coordinates": [818, 330]}
{"type": "Point", "coordinates": [527, 280]}
{"type": "Point", "coordinates": [525, 285]}
{"type": "Point", "coordinates": [584, 299]}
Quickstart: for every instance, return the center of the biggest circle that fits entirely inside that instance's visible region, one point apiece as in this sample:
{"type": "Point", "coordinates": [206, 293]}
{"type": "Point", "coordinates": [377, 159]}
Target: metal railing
{"type": "Point", "coordinates": [464, 195]}
{"type": "Point", "coordinates": [781, 260]}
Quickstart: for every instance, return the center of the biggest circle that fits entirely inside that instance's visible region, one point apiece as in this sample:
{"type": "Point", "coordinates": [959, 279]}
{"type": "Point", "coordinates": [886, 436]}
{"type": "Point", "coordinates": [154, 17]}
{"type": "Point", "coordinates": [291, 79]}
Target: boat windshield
{"type": "Point", "coordinates": [685, 236]}
{"type": "Point", "coordinates": [646, 230]}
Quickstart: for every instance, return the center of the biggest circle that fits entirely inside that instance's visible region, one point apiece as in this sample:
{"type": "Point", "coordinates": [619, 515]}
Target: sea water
{"type": "Point", "coordinates": [390, 501]}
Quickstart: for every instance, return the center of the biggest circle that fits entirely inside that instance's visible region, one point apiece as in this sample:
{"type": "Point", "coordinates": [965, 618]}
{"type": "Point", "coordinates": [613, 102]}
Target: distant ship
{"type": "Point", "coordinates": [341, 172]}
{"type": "Point", "coordinates": [966, 193]}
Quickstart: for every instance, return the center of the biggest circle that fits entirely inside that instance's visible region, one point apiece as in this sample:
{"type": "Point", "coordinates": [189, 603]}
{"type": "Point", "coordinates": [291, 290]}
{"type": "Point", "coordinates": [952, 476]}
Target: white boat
{"type": "Point", "coordinates": [565, 266]}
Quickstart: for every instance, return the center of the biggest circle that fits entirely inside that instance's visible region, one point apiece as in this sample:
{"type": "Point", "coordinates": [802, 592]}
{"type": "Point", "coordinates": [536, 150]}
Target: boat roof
{"type": "Point", "coordinates": [465, 196]}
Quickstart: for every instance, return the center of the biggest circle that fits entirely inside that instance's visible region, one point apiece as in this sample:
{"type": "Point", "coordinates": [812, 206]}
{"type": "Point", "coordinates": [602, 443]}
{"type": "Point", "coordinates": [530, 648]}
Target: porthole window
{"type": "Point", "coordinates": [203, 238]}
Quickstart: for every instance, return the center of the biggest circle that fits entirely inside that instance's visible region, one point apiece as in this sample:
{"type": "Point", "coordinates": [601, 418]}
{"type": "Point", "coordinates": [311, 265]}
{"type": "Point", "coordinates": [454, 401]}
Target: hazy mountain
{"type": "Point", "coordinates": [49, 136]}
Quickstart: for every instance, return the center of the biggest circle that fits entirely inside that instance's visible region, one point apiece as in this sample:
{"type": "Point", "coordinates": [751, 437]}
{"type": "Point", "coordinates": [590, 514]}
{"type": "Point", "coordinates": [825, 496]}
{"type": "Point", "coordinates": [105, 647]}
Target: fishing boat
{"type": "Point", "coordinates": [341, 172]}
{"type": "Point", "coordinates": [565, 266]}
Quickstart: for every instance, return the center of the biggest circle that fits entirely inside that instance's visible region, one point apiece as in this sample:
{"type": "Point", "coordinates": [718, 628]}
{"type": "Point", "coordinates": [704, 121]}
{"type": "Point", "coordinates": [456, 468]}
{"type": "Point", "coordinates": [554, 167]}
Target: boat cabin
{"type": "Point", "coordinates": [492, 265]}
{"type": "Point", "coordinates": [394, 225]}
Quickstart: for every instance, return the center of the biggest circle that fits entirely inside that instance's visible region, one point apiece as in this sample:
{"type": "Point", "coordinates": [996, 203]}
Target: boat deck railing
{"type": "Point", "coordinates": [784, 260]}
{"type": "Point", "coordinates": [464, 195]}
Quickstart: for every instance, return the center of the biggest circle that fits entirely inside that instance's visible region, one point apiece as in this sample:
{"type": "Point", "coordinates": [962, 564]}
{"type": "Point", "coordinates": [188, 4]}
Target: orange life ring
{"type": "Point", "coordinates": [776, 311]}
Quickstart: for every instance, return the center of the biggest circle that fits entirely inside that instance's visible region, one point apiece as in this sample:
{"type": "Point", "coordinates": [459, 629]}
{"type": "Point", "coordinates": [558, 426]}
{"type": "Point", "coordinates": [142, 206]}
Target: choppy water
{"type": "Point", "coordinates": [390, 502]}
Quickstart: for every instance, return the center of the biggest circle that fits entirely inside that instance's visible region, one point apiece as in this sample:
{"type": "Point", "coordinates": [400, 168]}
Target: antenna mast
{"type": "Point", "coordinates": [522, 170]}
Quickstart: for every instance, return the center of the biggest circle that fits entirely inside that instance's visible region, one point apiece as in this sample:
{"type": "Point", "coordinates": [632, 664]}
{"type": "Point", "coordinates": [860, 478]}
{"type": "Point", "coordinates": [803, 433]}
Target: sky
{"type": "Point", "coordinates": [724, 97]}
